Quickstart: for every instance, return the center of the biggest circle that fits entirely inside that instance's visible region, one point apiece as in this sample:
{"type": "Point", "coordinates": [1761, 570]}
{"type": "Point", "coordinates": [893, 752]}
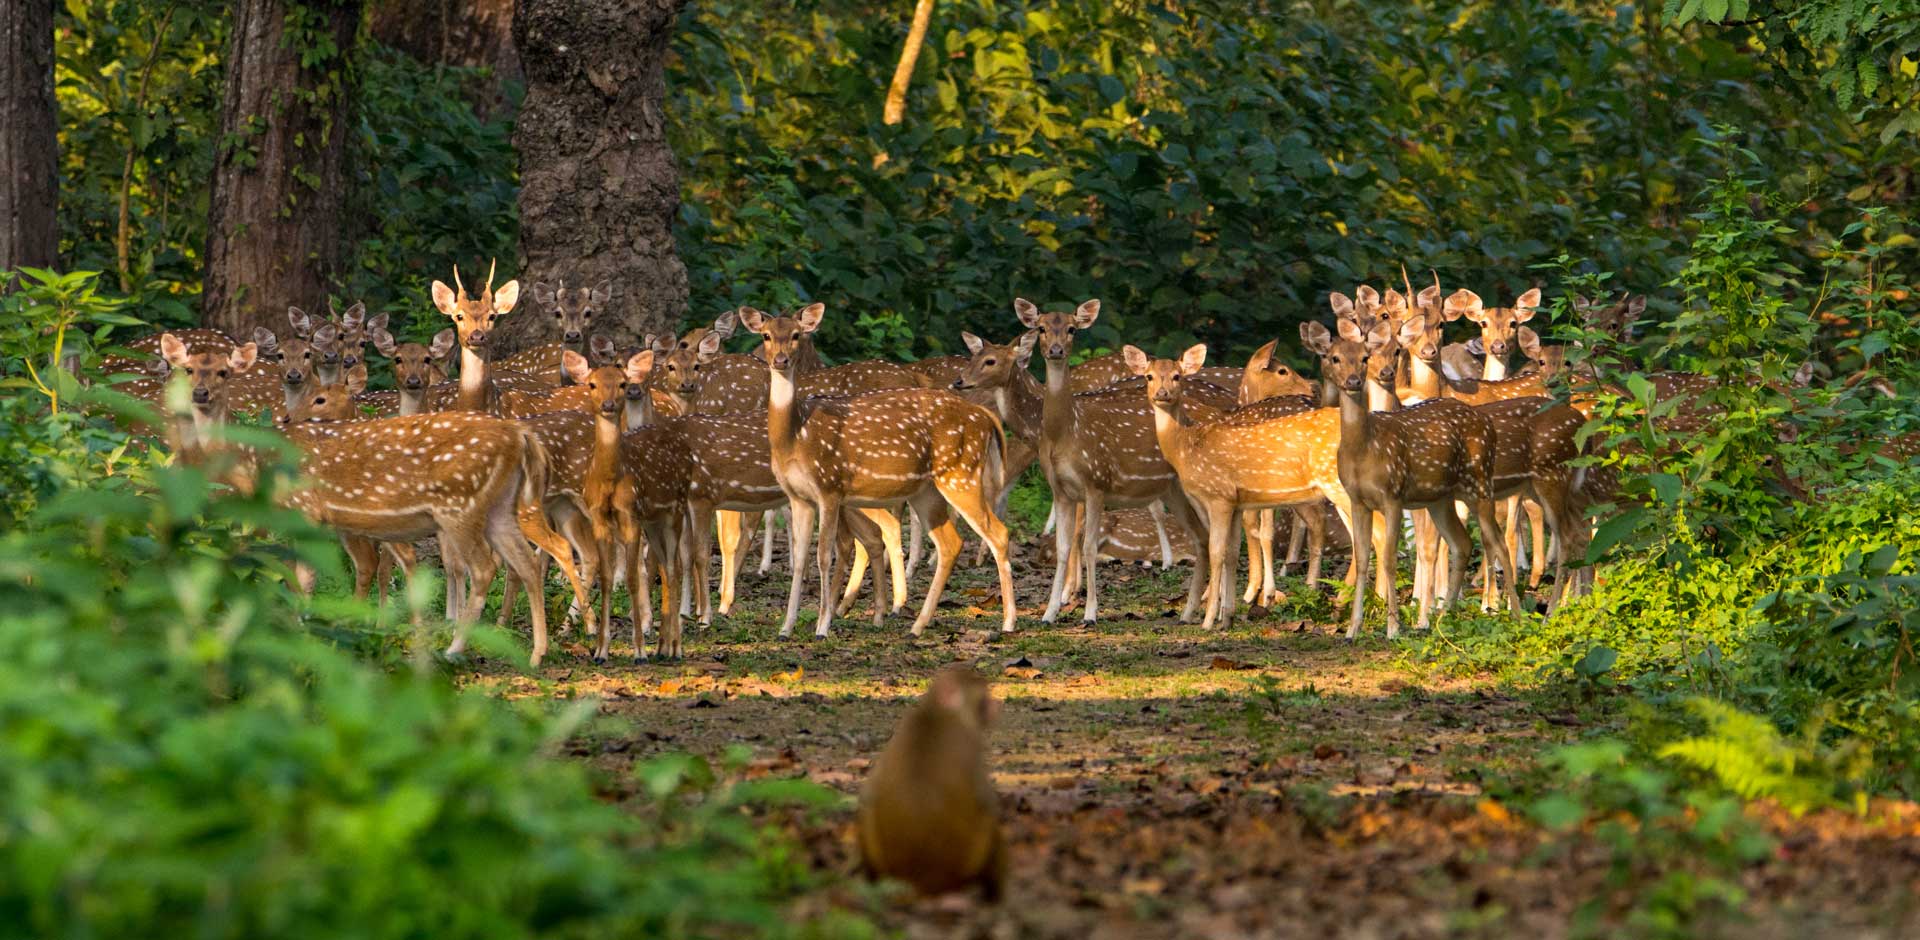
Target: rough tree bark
{"type": "Point", "coordinates": [29, 147]}
{"type": "Point", "coordinates": [598, 186]}
{"type": "Point", "coordinates": [468, 33]}
{"type": "Point", "coordinates": [279, 178]}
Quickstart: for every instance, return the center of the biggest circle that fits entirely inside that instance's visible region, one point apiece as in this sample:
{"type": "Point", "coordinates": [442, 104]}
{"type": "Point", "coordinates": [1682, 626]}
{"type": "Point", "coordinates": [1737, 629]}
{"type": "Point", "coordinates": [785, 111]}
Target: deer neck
{"type": "Point", "coordinates": [474, 383]}
{"type": "Point", "coordinates": [605, 462]}
{"type": "Point", "coordinates": [783, 428]}
{"type": "Point", "coordinates": [1356, 428]}
{"type": "Point", "coordinates": [1056, 408]}
{"type": "Point", "coordinates": [412, 402]}
{"type": "Point", "coordinates": [639, 412]}
{"type": "Point", "coordinates": [1171, 427]}
{"type": "Point", "coordinates": [1495, 369]}
{"type": "Point", "coordinates": [291, 395]}
{"type": "Point", "coordinates": [1381, 398]}
{"type": "Point", "coordinates": [1423, 379]}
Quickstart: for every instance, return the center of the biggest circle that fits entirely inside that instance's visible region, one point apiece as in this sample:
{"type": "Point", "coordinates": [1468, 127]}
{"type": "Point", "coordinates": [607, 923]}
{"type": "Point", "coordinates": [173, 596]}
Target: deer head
{"type": "Point", "coordinates": [1267, 376]}
{"type": "Point", "coordinates": [1056, 329]}
{"type": "Point", "coordinates": [334, 402]}
{"type": "Point", "coordinates": [417, 367]}
{"type": "Point", "coordinates": [993, 365]}
{"type": "Point", "coordinates": [722, 327]}
{"type": "Point", "coordinates": [1165, 377]}
{"type": "Point", "coordinates": [326, 352]}
{"type": "Point", "coordinates": [610, 387]}
{"type": "Point", "coordinates": [1345, 359]}
{"type": "Point", "coordinates": [207, 374]}
{"type": "Point", "coordinates": [678, 372]}
{"type": "Point", "coordinates": [780, 336]}
{"type": "Point", "coordinates": [356, 331]}
{"type": "Point", "coordinates": [572, 310]}
{"type": "Point", "coordinates": [1497, 324]}
{"type": "Point", "coordinates": [473, 316]}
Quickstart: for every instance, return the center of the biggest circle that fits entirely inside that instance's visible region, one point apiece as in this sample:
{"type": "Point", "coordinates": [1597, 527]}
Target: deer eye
{"type": "Point", "coordinates": [222, 373]}
{"type": "Point", "coordinates": [320, 401]}
{"type": "Point", "coordinates": [556, 314]}
{"type": "Point", "coordinates": [989, 362]}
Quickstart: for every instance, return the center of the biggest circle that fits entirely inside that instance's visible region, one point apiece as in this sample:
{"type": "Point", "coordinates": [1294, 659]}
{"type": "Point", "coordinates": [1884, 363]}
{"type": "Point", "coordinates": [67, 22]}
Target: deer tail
{"type": "Point", "coordinates": [534, 468]}
{"type": "Point", "coordinates": [992, 463]}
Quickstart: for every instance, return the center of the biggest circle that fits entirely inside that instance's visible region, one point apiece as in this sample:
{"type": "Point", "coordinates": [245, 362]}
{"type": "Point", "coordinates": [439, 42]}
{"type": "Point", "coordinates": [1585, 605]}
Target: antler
{"type": "Point", "coordinates": [456, 282]}
{"type": "Point", "coordinates": [490, 267]}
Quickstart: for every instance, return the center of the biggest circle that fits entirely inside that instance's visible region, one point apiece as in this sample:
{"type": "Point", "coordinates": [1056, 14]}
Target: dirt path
{"type": "Point", "coordinates": [1269, 780]}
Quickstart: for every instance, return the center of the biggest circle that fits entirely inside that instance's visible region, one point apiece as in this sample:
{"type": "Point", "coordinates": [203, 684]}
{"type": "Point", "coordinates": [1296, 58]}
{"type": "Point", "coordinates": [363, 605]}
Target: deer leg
{"type": "Point", "coordinates": [869, 533]}
{"type": "Point", "coordinates": [1536, 520]}
{"type": "Point", "coordinates": [1426, 559]}
{"type": "Point", "coordinates": [1074, 570]}
{"type": "Point", "coordinates": [829, 544]}
{"type": "Point", "coordinates": [799, 540]}
{"type": "Point", "coordinates": [916, 542]}
{"type": "Point", "coordinates": [1197, 534]}
{"type": "Point", "coordinates": [1453, 535]}
{"type": "Point", "coordinates": [731, 534]}
{"type": "Point", "coordinates": [1389, 557]}
{"type": "Point", "coordinates": [364, 553]}
{"type": "Point", "coordinates": [946, 551]}
{"type": "Point", "coordinates": [505, 536]}
{"type": "Point", "coordinates": [849, 547]}
{"type": "Point", "coordinates": [1158, 514]}
{"type": "Point", "coordinates": [1490, 517]}
{"type": "Point", "coordinates": [766, 544]}
{"type": "Point", "coordinates": [1062, 554]}
{"type": "Point", "coordinates": [698, 543]}
{"type": "Point", "coordinates": [578, 538]}
{"type": "Point", "coordinates": [481, 566]}
{"type": "Point", "coordinates": [1230, 569]}
{"type": "Point", "coordinates": [663, 539]}
{"type": "Point", "coordinates": [968, 497]}
{"type": "Point", "coordinates": [1362, 515]}
{"type": "Point", "coordinates": [1219, 546]}
{"type": "Point", "coordinates": [636, 601]}
{"type": "Point", "coordinates": [1090, 554]}
{"type": "Point", "coordinates": [1251, 528]}
{"type": "Point", "coordinates": [1269, 522]}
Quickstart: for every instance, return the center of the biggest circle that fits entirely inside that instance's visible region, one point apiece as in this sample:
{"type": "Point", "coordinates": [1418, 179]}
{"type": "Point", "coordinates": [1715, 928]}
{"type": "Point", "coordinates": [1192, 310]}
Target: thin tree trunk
{"type": "Point", "coordinates": [896, 110]}
{"type": "Point", "coordinates": [599, 189]}
{"type": "Point", "coordinates": [29, 145]}
{"type": "Point", "coordinates": [123, 236]}
{"type": "Point", "coordinates": [279, 178]}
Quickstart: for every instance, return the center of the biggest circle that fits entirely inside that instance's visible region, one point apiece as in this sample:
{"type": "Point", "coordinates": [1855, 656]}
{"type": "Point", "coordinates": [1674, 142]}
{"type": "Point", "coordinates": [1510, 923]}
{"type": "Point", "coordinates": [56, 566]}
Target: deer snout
{"type": "Point", "coordinates": [413, 381]}
{"type": "Point", "coordinates": [1497, 348]}
{"type": "Point", "coordinates": [1352, 383]}
{"type": "Point", "coordinates": [782, 361]}
{"type": "Point", "coordinates": [202, 397]}
{"type": "Point", "coordinates": [476, 339]}
{"type": "Point", "coordinates": [294, 377]}
{"type": "Point", "coordinates": [611, 406]}
{"type": "Point", "coordinates": [571, 336]}
{"type": "Point", "coordinates": [636, 392]}
{"type": "Point", "coordinates": [959, 384]}
{"type": "Point", "coordinates": [1057, 351]}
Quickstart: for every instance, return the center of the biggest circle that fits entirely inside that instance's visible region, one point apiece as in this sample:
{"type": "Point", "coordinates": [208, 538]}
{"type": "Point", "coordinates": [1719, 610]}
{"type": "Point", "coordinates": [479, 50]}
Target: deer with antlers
{"type": "Point", "coordinates": [473, 325]}
{"type": "Point", "coordinates": [1251, 461]}
{"type": "Point", "coordinates": [1423, 457]}
{"type": "Point", "coordinates": [925, 448]}
{"type": "Point", "coordinates": [1095, 450]}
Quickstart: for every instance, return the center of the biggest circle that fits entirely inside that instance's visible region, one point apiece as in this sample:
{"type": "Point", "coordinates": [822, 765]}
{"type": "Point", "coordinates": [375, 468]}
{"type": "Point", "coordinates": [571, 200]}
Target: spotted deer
{"type": "Point", "coordinates": [1497, 325]}
{"type": "Point", "coordinates": [146, 358]}
{"type": "Point", "coordinates": [416, 367]}
{"type": "Point", "coordinates": [1227, 467]}
{"type": "Point", "coordinates": [927, 448]}
{"type": "Point", "coordinates": [1423, 457]}
{"type": "Point", "coordinates": [473, 324]}
{"type": "Point", "coordinates": [572, 312]}
{"type": "Point", "coordinates": [1096, 450]}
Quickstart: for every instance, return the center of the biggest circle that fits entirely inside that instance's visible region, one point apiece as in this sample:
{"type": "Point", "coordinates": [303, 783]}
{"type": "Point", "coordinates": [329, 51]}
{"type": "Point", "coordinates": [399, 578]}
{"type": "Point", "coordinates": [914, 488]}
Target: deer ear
{"type": "Point", "coordinates": [1637, 306]}
{"type": "Point", "coordinates": [1428, 297]}
{"type": "Point", "coordinates": [602, 293]}
{"type": "Point", "coordinates": [724, 323]}
{"type": "Point", "coordinates": [1350, 330]}
{"type": "Point", "coordinates": [660, 343]}
{"type": "Point", "coordinates": [1412, 331]}
{"type": "Point", "coordinates": [1193, 359]}
{"type": "Point", "coordinates": [639, 366]}
{"type": "Point", "coordinates": [1136, 358]}
{"type": "Point", "coordinates": [973, 342]}
{"type": "Point", "coordinates": [1525, 306]}
{"type": "Point", "coordinates": [575, 365]}
{"type": "Point", "coordinates": [753, 320]}
{"type": "Point", "coordinates": [1396, 302]}
{"type": "Point", "coordinates": [357, 379]}
{"type": "Point", "coordinates": [1380, 338]}
{"type": "Point", "coordinates": [542, 294]}
{"type": "Point", "coordinates": [443, 343]}
{"type": "Point", "coordinates": [302, 323]}
{"type": "Point", "coordinates": [355, 316]}
{"type": "Point", "coordinates": [1085, 314]}
{"type": "Point", "coordinates": [1477, 347]}
{"type": "Point", "coordinates": [810, 316]}
{"type": "Point", "coordinates": [600, 347]}
{"type": "Point", "coordinates": [1024, 346]}
{"type": "Point", "coordinates": [1803, 376]}
{"type": "Point", "coordinates": [326, 335]}
{"type": "Point", "coordinates": [1529, 343]}
{"type": "Point", "coordinates": [1342, 305]}
{"type": "Point", "coordinates": [264, 338]}
{"type": "Point", "coordinates": [1465, 303]}
{"type": "Point", "coordinates": [506, 297]}
{"type": "Point", "coordinates": [383, 341]}
{"type": "Point", "coordinates": [1365, 294]}
{"type": "Point", "coordinates": [243, 357]}
{"type": "Point", "coordinates": [173, 350]}
{"type": "Point", "coordinates": [442, 300]}
{"type": "Point", "coordinates": [1314, 336]}
{"type": "Point", "coordinates": [1262, 357]}
{"type": "Point", "coordinates": [377, 323]}
{"type": "Point", "coordinates": [709, 346]}
{"type": "Point", "coordinates": [1028, 313]}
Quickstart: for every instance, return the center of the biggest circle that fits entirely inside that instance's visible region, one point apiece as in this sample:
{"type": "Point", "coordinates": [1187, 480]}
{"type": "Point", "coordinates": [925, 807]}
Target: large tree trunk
{"type": "Point", "coordinates": [29, 147]}
{"type": "Point", "coordinates": [279, 178]}
{"type": "Point", "coordinates": [466, 33]}
{"type": "Point", "coordinates": [598, 186]}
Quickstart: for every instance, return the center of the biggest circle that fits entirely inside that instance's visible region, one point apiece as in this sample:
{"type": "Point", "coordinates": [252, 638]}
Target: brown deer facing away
{"type": "Point", "coordinates": [1097, 449]}
{"type": "Point", "coordinates": [929, 449]}
{"type": "Point", "coordinates": [1424, 457]}
{"type": "Point", "coordinates": [473, 323]}
{"type": "Point", "coordinates": [1229, 466]}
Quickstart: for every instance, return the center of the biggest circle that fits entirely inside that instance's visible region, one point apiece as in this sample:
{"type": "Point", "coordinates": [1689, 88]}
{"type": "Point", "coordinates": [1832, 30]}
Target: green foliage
{"type": "Point", "coordinates": [1750, 757]}
{"type": "Point", "coordinates": [187, 748]}
{"type": "Point", "coordinates": [1863, 51]}
{"type": "Point", "coordinates": [1209, 174]}
{"type": "Point", "coordinates": [1675, 851]}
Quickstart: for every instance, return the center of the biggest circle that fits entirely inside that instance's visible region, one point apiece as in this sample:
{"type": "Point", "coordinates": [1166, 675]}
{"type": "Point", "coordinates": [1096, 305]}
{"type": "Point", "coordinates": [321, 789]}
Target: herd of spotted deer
{"type": "Point", "coordinates": [630, 465]}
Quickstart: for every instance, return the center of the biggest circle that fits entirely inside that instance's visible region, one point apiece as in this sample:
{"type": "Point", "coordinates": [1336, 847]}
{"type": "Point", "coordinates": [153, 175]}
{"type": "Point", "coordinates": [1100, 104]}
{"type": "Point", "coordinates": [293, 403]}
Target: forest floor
{"type": "Point", "coordinates": [1267, 780]}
